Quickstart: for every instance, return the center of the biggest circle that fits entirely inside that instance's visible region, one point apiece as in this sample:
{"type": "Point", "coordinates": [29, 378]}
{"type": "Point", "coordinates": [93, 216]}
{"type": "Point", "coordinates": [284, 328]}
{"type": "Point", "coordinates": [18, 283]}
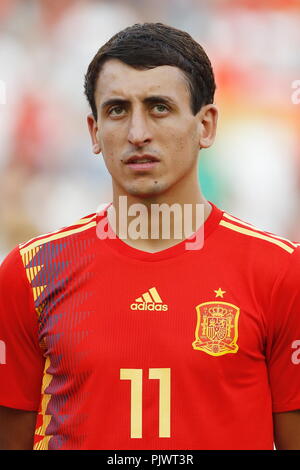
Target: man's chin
{"type": "Point", "coordinates": [146, 191]}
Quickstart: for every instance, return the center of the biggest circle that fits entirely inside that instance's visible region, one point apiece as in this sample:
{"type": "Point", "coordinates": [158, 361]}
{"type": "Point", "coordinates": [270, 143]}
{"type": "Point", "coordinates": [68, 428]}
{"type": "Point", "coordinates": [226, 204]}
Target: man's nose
{"type": "Point", "coordinates": [139, 132]}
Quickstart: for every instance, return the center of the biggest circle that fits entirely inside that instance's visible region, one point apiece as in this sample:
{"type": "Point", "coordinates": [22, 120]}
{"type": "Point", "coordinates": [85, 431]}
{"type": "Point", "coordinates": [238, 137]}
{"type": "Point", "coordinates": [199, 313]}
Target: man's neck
{"type": "Point", "coordinates": [157, 223]}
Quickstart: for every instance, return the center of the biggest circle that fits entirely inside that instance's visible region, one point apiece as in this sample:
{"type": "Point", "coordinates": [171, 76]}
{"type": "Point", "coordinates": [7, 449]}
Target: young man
{"type": "Point", "coordinates": [149, 343]}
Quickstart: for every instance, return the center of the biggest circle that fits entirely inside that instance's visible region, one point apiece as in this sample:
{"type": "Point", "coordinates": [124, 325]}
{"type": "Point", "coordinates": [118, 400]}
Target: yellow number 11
{"type": "Point", "coordinates": [136, 377]}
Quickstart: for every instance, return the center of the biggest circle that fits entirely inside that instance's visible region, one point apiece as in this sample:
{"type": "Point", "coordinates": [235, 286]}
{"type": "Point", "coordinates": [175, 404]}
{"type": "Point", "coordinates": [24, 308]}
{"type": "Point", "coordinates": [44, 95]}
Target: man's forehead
{"type": "Point", "coordinates": [119, 79]}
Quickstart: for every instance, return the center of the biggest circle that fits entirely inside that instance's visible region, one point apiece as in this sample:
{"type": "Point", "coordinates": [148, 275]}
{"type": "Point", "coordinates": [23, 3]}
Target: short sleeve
{"type": "Point", "coordinates": [283, 342]}
{"type": "Point", "coordinates": [21, 358]}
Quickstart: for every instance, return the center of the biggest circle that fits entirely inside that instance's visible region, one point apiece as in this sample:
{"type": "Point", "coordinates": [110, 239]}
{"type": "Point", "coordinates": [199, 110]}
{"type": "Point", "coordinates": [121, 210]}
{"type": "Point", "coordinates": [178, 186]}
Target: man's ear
{"type": "Point", "coordinates": [93, 130]}
{"type": "Point", "coordinates": [208, 118]}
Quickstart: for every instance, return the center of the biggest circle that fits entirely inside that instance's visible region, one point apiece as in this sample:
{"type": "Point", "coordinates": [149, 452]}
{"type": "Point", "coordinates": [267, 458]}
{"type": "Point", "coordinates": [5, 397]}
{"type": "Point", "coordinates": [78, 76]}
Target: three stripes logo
{"type": "Point", "coordinates": [150, 300]}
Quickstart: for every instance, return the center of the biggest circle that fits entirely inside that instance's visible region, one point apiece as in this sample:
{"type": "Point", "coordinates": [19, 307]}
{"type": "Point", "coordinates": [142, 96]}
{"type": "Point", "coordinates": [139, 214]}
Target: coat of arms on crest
{"type": "Point", "coordinates": [217, 328]}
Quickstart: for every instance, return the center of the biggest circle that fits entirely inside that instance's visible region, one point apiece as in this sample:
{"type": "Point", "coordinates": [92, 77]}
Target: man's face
{"type": "Point", "coordinates": [145, 116]}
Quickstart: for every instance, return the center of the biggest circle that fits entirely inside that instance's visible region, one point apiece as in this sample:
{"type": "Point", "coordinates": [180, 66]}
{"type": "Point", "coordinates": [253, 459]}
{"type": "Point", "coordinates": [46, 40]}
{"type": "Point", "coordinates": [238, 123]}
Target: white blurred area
{"type": "Point", "coordinates": [49, 175]}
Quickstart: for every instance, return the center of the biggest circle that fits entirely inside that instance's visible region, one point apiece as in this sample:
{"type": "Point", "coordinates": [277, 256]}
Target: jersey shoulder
{"type": "Point", "coordinates": [49, 259]}
{"type": "Point", "coordinates": [82, 225]}
{"type": "Point", "coordinates": [43, 249]}
{"type": "Point", "coordinates": [263, 241]}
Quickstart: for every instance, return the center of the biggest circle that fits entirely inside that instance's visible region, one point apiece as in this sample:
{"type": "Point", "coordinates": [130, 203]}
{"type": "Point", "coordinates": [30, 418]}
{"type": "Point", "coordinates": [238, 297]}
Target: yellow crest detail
{"type": "Point", "coordinates": [217, 328]}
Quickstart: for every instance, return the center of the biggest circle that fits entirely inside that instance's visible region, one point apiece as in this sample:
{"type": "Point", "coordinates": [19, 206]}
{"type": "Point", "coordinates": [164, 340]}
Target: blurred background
{"type": "Point", "coordinates": [49, 176]}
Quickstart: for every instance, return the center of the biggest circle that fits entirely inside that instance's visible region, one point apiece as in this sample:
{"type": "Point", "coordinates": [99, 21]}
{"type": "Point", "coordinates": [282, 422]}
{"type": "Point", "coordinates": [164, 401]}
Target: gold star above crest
{"type": "Point", "coordinates": [220, 292]}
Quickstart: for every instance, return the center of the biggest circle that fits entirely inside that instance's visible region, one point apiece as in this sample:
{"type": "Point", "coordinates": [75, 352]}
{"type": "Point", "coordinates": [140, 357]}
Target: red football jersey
{"type": "Point", "coordinates": [180, 349]}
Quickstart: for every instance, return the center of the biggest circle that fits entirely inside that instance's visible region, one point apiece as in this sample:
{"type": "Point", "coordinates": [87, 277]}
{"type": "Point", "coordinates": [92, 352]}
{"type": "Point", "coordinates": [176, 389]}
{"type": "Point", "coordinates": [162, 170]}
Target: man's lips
{"type": "Point", "coordinates": [142, 162]}
{"type": "Point", "coordinates": [142, 166]}
{"type": "Point", "coordinates": [141, 158]}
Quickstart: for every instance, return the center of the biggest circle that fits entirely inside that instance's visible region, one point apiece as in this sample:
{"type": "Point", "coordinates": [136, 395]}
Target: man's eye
{"type": "Point", "coordinates": [116, 111]}
{"type": "Point", "coordinates": [160, 108]}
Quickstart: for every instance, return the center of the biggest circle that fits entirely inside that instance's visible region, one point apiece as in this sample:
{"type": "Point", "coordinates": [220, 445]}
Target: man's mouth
{"type": "Point", "coordinates": [142, 162]}
{"type": "Point", "coordinates": [142, 165]}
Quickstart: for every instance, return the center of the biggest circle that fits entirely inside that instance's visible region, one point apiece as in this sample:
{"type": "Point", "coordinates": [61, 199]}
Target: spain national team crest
{"type": "Point", "coordinates": [217, 328]}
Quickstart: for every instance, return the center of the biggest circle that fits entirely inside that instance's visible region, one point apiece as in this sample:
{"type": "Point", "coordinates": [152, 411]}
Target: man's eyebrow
{"type": "Point", "coordinates": [114, 101]}
{"type": "Point", "coordinates": [148, 100]}
{"type": "Point", "coordinates": [159, 99]}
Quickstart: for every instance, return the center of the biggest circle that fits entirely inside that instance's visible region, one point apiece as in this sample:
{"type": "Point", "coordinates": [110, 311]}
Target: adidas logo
{"type": "Point", "coordinates": [149, 301]}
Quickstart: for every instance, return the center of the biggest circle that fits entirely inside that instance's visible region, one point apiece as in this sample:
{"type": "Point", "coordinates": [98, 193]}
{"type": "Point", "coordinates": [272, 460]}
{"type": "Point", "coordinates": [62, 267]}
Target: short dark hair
{"type": "Point", "coordinates": [149, 45]}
